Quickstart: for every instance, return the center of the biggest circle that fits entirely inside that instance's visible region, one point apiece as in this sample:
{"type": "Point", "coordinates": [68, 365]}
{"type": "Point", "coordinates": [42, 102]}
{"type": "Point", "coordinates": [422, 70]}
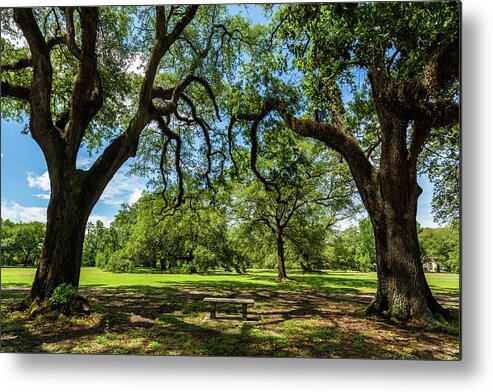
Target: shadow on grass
{"type": "Point", "coordinates": [309, 316]}
{"type": "Point", "coordinates": [170, 321]}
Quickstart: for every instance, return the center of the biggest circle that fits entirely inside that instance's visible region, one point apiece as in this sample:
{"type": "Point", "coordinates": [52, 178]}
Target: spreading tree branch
{"type": "Point", "coordinates": [87, 96]}
{"type": "Point", "coordinates": [334, 137]}
{"type": "Point", "coordinates": [42, 128]}
{"type": "Point", "coordinates": [18, 92]}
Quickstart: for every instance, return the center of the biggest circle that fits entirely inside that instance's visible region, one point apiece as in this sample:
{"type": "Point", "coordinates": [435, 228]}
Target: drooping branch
{"type": "Point", "coordinates": [254, 155]}
{"type": "Point", "coordinates": [171, 97]}
{"type": "Point", "coordinates": [343, 142]}
{"type": "Point", "coordinates": [207, 139]}
{"type": "Point", "coordinates": [231, 142]}
{"type": "Point", "coordinates": [179, 174]}
{"type": "Point", "coordinates": [210, 92]}
{"type": "Point", "coordinates": [256, 119]}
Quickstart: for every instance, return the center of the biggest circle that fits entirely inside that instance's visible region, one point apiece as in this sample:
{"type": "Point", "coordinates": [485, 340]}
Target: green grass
{"type": "Point", "coordinates": [312, 315]}
{"type": "Point", "coordinates": [327, 281]}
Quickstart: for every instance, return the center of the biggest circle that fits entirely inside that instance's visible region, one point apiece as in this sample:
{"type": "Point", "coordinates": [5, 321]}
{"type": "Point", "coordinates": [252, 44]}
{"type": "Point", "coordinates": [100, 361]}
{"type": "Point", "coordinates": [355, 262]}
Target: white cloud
{"type": "Point", "coordinates": [103, 218]}
{"type": "Point", "coordinates": [135, 196]}
{"type": "Point", "coordinates": [122, 189]}
{"type": "Point", "coordinates": [45, 196]}
{"type": "Point", "coordinates": [18, 213]}
{"type": "Point", "coordinates": [84, 162]}
{"type": "Point", "coordinates": [40, 182]}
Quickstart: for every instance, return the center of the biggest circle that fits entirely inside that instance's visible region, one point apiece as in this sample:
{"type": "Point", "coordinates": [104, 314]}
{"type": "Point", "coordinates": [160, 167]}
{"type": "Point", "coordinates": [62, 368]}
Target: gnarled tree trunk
{"type": "Point", "coordinates": [62, 248]}
{"type": "Point", "coordinates": [71, 202]}
{"type": "Point", "coordinates": [402, 292]}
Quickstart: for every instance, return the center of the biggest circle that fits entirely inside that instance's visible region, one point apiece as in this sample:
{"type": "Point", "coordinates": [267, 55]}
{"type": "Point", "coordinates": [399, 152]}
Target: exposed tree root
{"type": "Point", "coordinates": [425, 318]}
{"type": "Point", "coordinates": [36, 306]}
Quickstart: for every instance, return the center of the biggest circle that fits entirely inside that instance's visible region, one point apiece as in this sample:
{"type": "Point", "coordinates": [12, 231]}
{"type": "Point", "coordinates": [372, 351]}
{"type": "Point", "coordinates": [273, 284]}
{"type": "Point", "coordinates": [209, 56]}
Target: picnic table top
{"type": "Point", "coordinates": [232, 300]}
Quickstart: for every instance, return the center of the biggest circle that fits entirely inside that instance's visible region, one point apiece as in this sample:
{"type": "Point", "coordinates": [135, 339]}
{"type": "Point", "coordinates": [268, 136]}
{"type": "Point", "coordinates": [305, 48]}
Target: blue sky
{"type": "Point", "coordinates": [25, 183]}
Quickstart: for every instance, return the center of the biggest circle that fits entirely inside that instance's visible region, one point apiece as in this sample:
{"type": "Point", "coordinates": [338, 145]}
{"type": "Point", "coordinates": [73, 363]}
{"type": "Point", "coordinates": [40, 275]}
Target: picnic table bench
{"type": "Point", "coordinates": [243, 301]}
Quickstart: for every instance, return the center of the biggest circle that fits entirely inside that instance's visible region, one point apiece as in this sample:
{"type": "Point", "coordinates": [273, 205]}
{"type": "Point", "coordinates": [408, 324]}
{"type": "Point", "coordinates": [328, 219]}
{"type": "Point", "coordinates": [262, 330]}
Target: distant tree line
{"type": "Point", "coordinates": [198, 240]}
{"type": "Point", "coordinates": [21, 243]}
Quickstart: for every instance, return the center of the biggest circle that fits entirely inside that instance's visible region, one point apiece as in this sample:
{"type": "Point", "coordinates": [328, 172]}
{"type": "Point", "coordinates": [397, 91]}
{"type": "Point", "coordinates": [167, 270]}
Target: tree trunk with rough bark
{"type": "Point", "coordinates": [62, 249]}
{"type": "Point", "coordinates": [402, 292]}
{"type": "Point", "coordinates": [162, 264]}
{"type": "Point", "coordinates": [69, 208]}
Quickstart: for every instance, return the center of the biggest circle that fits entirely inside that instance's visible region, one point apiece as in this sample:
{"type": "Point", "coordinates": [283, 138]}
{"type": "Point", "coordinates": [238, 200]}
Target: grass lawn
{"type": "Point", "coordinates": [312, 315]}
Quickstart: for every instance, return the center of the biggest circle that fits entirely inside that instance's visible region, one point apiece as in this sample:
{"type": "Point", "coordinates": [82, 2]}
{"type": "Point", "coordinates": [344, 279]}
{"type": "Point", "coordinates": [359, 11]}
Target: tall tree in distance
{"type": "Point", "coordinates": [293, 181]}
{"type": "Point", "coordinates": [376, 80]}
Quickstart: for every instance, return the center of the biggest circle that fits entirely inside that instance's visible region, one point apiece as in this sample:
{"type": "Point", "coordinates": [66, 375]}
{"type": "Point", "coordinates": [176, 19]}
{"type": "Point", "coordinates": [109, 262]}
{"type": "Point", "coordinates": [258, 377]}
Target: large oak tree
{"type": "Point", "coordinates": [372, 81]}
{"type": "Point", "coordinates": [72, 79]}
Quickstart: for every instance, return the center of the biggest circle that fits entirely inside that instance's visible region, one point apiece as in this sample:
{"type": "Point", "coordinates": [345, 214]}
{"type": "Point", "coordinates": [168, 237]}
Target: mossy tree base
{"type": "Point", "coordinates": [428, 317]}
{"type": "Point", "coordinates": [35, 306]}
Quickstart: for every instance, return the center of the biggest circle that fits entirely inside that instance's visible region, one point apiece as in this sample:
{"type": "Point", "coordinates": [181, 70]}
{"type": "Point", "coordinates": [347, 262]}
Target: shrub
{"type": "Point", "coordinates": [120, 262]}
{"type": "Point", "coordinates": [189, 269]}
{"type": "Point", "coordinates": [63, 297]}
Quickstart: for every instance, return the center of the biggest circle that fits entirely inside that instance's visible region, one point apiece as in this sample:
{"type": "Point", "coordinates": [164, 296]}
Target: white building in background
{"type": "Point", "coordinates": [430, 266]}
